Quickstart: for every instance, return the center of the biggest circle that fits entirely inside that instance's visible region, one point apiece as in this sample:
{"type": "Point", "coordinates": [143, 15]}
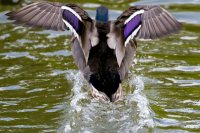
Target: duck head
{"type": "Point", "coordinates": [102, 14]}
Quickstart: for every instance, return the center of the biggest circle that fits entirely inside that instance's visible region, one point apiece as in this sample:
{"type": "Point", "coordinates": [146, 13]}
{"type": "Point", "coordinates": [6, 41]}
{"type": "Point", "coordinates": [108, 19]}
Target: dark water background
{"type": "Point", "coordinates": [41, 89]}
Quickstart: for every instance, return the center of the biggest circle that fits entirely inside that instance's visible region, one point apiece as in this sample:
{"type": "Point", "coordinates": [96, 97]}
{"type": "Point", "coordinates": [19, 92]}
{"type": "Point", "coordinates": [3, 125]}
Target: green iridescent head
{"type": "Point", "coordinates": [102, 14]}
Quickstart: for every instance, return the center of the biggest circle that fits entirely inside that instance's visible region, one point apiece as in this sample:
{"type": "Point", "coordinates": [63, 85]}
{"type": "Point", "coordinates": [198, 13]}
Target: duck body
{"type": "Point", "coordinates": [102, 70]}
{"type": "Point", "coordinates": [103, 50]}
{"type": "Point", "coordinates": [103, 64]}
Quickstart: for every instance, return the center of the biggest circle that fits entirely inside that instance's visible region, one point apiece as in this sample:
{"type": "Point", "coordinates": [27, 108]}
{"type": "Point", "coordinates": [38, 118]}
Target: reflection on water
{"type": "Point", "coordinates": [41, 89]}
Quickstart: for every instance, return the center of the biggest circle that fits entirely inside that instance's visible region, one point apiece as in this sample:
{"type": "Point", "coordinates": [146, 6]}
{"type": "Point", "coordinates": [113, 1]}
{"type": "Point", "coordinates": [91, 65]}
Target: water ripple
{"type": "Point", "coordinates": [26, 126]}
{"type": "Point", "coordinates": [165, 122]}
{"type": "Point", "coordinates": [52, 33]}
{"type": "Point", "coordinates": [56, 108]}
{"type": "Point", "coordinates": [184, 110]}
{"type": "Point", "coordinates": [4, 36]}
{"type": "Point", "coordinates": [9, 103]}
{"type": "Point", "coordinates": [11, 55]}
{"type": "Point", "coordinates": [12, 87]}
{"type": "Point", "coordinates": [185, 82]}
{"type": "Point", "coordinates": [7, 119]}
{"type": "Point", "coordinates": [35, 90]}
{"type": "Point", "coordinates": [27, 110]}
{"type": "Point", "coordinates": [197, 103]}
{"type": "Point", "coordinates": [189, 38]}
{"type": "Point", "coordinates": [178, 68]}
{"type": "Point", "coordinates": [58, 53]}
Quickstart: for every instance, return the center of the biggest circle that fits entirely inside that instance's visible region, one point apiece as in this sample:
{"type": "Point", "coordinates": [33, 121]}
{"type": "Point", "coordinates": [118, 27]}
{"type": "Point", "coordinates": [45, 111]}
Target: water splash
{"type": "Point", "coordinates": [74, 107]}
{"type": "Point", "coordinates": [144, 110]}
{"type": "Point", "coordinates": [78, 80]}
{"type": "Point", "coordinates": [84, 112]}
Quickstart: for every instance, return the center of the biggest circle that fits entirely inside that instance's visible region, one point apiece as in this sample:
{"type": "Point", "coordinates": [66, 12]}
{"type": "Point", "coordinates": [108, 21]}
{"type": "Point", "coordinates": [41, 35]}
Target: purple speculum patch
{"type": "Point", "coordinates": [72, 20]}
{"type": "Point", "coordinates": [132, 25]}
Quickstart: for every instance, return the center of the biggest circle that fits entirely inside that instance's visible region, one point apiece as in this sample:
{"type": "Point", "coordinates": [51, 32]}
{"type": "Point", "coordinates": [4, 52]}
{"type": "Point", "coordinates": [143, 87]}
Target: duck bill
{"type": "Point", "coordinates": [117, 96]}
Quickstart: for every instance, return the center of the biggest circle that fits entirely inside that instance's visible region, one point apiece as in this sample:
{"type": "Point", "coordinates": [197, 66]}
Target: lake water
{"type": "Point", "coordinates": [41, 89]}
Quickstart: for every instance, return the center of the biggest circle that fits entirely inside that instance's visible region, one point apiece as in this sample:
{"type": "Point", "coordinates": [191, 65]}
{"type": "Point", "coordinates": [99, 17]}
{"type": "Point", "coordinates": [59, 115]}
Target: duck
{"type": "Point", "coordinates": [103, 49]}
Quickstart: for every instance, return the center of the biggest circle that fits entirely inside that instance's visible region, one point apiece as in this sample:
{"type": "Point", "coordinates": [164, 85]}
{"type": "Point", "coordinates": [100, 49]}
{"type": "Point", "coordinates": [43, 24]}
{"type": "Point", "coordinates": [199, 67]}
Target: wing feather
{"type": "Point", "coordinates": [57, 16]}
{"type": "Point", "coordinates": [144, 22]}
{"type": "Point", "coordinates": [147, 26]}
{"type": "Point", "coordinates": [156, 22]}
{"type": "Point", "coordinates": [41, 14]}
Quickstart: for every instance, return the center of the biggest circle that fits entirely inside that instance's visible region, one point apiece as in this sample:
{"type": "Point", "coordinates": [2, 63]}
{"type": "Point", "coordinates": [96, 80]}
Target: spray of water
{"type": "Point", "coordinates": [86, 114]}
{"type": "Point", "coordinates": [145, 112]}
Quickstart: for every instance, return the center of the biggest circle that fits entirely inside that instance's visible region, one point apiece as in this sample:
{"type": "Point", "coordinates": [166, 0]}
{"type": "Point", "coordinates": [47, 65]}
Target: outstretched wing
{"type": "Point", "coordinates": [147, 22]}
{"type": "Point", "coordinates": [143, 22]}
{"type": "Point", "coordinates": [57, 16]}
{"type": "Point", "coordinates": [50, 15]}
{"type": "Point", "coordinates": [41, 14]}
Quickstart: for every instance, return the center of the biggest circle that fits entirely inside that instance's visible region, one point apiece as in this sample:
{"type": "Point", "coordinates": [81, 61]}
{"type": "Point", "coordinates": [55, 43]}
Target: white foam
{"type": "Point", "coordinates": [133, 114]}
{"type": "Point", "coordinates": [74, 106]}
{"type": "Point", "coordinates": [78, 82]}
{"type": "Point", "coordinates": [144, 110]}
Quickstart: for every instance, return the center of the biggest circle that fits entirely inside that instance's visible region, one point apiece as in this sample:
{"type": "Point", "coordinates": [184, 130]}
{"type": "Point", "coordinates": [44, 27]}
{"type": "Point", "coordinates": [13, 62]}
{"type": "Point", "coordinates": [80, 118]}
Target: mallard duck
{"type": "Point", "coordinates": [102, 49]}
